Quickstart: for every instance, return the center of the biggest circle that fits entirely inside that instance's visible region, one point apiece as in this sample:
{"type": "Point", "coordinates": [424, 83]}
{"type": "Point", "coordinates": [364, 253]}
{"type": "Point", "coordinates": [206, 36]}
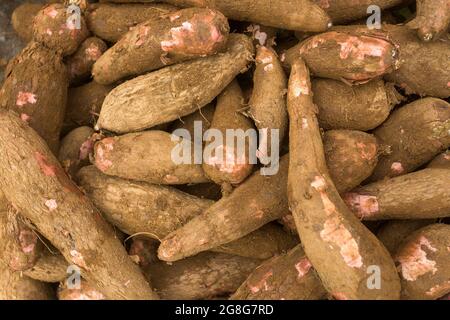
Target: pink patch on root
{"type": "Point", "coordinates": [170, 179]}
{"type": "Point", "coordinates": [142, 34]}
{"type": "Point", "coordinates": [226, 161]}
{"type": "Point", "coordinates": [77, 258]}
{"type": "Point", "coordinates": [264, 56]}
{"type": "Point", "coordinates": [262, 284]}
{"type": "Point", "coordinates": [448, 84]}
{"type": "Point", "coordinates": [48, 31]}
{"type": "Point", "coordinates": [93, 53]}
{"type": "Point", "coordinates": [24, 117]}
{"type": "Point", "coordinates": [339, 296]}
{"type": "Point", "coordinates": [439, 290]}
{"type": "Point", "coordinates": [362, 205]}
{"type": "Point", "coordinates": [102, 151]}
{"type": "Point", "coordinates": [397, 168]}
{"type": "Point", "coordinates": [27, 240]}
{"type": "Point", "coordinates": [51, 12]}
{"type": "Point", "coordinates": [46, 168]}
{"type": "Point", "coordinates": [51, 204]}
{"type": "Point", "coordinates": [303, 267]}
{"type": "Point", "coordinates": [24, 98]}
{"type": "Point", "coordinates": [413, 259]}
{"type": "Point", "coordinates": [368, 152]}
{"type": "Point", "coordinates": [361, 47]}
{"type": "Point", "coordinates": [85, 149]}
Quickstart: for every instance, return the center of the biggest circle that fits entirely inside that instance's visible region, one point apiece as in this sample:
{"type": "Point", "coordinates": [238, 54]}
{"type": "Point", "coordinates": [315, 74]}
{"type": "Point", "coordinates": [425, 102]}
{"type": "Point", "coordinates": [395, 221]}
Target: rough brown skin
{"type": "Point", "coordinates": [268, 99]}
{"type": "Point", "coordinates": [146, 156]}
{"type": "Point", "coordinates": [111, 22]}
{"type": "Point", "coordinates": [352, 58]}
{"type": "Point", "coordinates": [204, 276]}
{"type": "Point", "coordinates": [334, 240]}
{"type": "Point", "coordinates": [22, 19]}
{"type": "Point", "coordinates": [175, 91]}
{"type": "Point", "coordinates": [223, 164]}
{"type": "Point", "coordinates": [53, 28]}
{"type": "Point", "coordinates": [143, 251]}
{"type": "Point", "coordinates": [84, 104]}
{"type": "Point", "coordinates": [84, 292]}
{"type": "Point", "coordinates": [416, 133]}
{"type": "Point", "coordinates": [283, 14]}
{"type": "Point", "coordinates": [289, 276]}
{"type": "Point", "coordinates": [351, 157]}
{"type": "Point", "coordinates": [422, 261]}
{"type": "Point", "coordinates": [41, 191]}
{"type": "Point", "coordinates": [165, 40]}
{"type": "Point", "coordinates": [204, 115]}
{"type": "Point", "coordinates": [394, 232]}
{"type": "Point", "coordinates": [36, 88]}
{"type": "Point", "coordinates": [419, 195]}
{"type": "Point", "coordinates": [51, 267]}
{"type": "Point", "coordinates": [79, 65]}
{"type": "Point", "coordinates": [136, 207]}
{"type": "Point", "coordinates": [441, 161]}
{"type": "Point", "coordinates": [75, 149]}
{"type": "Point", "coordinates": [363, 107]}
{"type": "Point", "coordinates": [208, 190]}
{"type": "Point", "coordinates": [262, 35]}
{"type": "Point", "coordinates": [432, 20]}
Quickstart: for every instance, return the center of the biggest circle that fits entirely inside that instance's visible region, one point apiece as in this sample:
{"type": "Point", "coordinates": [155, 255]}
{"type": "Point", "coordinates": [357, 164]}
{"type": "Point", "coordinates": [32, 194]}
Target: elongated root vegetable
{"type": "Point", "coordinates": [151, 156]}
{"type": "Point", "coordinates": [203, 117]}
{"type": "Point", "coordinates": [54, 28]}
{"type": "Point", "coordinates": [363, 107]}
{"type": "Point", "coordinates": [171, 93]}
{"type": "Point", "coordinates": [432, 20]}
{"type": "Point", "coordinates": [268, 100]}
{"type": "Point", "coordinates": [36, 88]}
{"type": "Point", "coordinates": [423, 261]}
{"type": "Point", "coordinates": [186, 279]}
{"type": "Point", "coordinates": [289, 276]}
{"type": "Point", "coordinates": [226, 163]}
{"type": "Point", "coordinates": [333, 238]}
{"type": "Point", "coordinates": [353, 58]}
{"type": "Point", "coordinates": [419, 195]}
{"type": "Point", "coordinates": [111, 22]}
{"type": "Point", "coordinates": [79, 65]}
{"type": "Point", "coordinates": [40, 190]}
{"type": "Point", "coordinates": [441, 161]}
{"type": "Point", "coordinates": [51, 267]}
{"type": "Point", "coordinates": [22, 19]}
{"type": "Point", "coordinates": [80, 291]}
{"type": "Point", "coordinates": [415, 133]}
{"type": "Point", "coordinates": [183, 35]}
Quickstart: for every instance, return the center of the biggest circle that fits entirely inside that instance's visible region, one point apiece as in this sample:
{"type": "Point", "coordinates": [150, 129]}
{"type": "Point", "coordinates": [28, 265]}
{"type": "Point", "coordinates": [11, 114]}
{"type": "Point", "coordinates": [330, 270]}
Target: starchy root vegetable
{"type": "Point", "coordinates": [165, 40]}
{"type": "Point", "coordinates": [22, 19]}
{"type": "Point", "coordinates": [136, 207]}
{"type": "Point", "coordinates": [148, 156]}
{"type": "Point", "coordinates": [36, 88]}
{"type": "Point", "coordinates": [42, 193]}
{"type": "Point", "coordinates": [111, 22]}
{"type": "Point", "coordinates": [349, 57]}
{"type": "Point", "coordinates": [351, 157]}
{"type": "Point", "coordinates": [226, 163]}
{"type": "Point", "coordinates": [289, 276]}
{"type": "Point", "coordinates": [419, 195]}
{"type": "Point", "coordinates": [80, 291]}
{"type": "Point", "coordinates": [208, 190]}
{"type": "Point", "coordinates": [441, 161]}
{"type": "Point", "coordinates": [175, 91]}
{"type": "Point", "coordinates": [84, 104]}
{"type": "Point", "coordinates": [423, 260]}
{"type": "Point", "coordinates": [54, 28]}
{"type": "Point", "coordinates": [143, 251]}
{"type": "Point", "coordinates": [394, 232]}
{"type": "Point", "coordinates": [79, 65]}
{"type": "Point", "coordinates": [185, 280]}
{"type": "Point", "coordinates": [335, 241]}
{"type": "Point", "coordinates": [432, 20]}
{"type": "Point", "coordinates": [268, 99]}
{"type": "Point", "coordinates": [416, 133]}
{"type": "Point", "coordinates": [51, 267]}
{"type": "Point", "coordinates": [262, 35]}
{"type": "Point", "coordinates": [363, 107]}
{"type": "Point", "coordinates": [204, 115]}
{"type": "Point", "coordinates": [75, 149]}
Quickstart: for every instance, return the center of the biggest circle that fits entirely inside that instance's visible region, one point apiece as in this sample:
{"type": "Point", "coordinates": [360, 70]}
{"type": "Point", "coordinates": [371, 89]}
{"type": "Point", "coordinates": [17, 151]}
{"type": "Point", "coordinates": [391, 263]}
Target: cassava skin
{"type": "Point", "coordinates": [51, 267]}
{"type": "Point", "coordinates": [441, 161]}
{"type": "Point", "coordinates": [268, 99]}
{"type": "Point", "coordinates": [289, 276]}
{"type": "Point", "coordinates": [204, 115]}
{"type": "Point", "coordinates": [75, 149]}
{"type": "Point", "coordinates": [22, 18]}
{"type": "Point", "coordinates": [351, 157]}
{"type": "Point", "coordinates": [208, 190]}
{"type": "Point", "coordinates": [419, 195]}
{"type": "Point", "coordinates": [84, 292]}
{"type": "Point", "coordinates": [41, 191]}
{"type": "Point", "coordinates": [334, 239]}
{"type": "Point", "coordinates": [84, 104]}
{"type": "Point", "coordinates": [394, 232]}
{"type": "Point", "coordinates": [204, 276]}
{"type": "Point", "coordinates": [432, 20]}
{"type": "Point", "coordinates": [111, 22]}
{"type": "Point", "coordinates": [79, 65]}
{"type": "Point", "coordinates": [147, 156]}
{"type": "Point", "coordinates": [284, 14]}
{"type": "Point", "coordinates": [165, 40]}
{"type": "Point", "coordinates": [415, 133]}
{"type": "Point", "coordinates": [262, 35]}
{"type": "Point", "coordinates": [422, 261]}
{"type": "Point", "coordinates": [175, 91]}
{"type": "Point", "coordinates": [36, 88]}
{"type": "Point", "coordinates": [136, 207]}
{"type": "Point", "coordinates": [53, 28]}
{"type": "Point", "coordinates": [351, 58]}
{"type": "Point", "coordinates": [362, 107]}
{"type": "Point", "coordinates": [223, 164]}
{"type": "Point", "coordinates": [143, 251]}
